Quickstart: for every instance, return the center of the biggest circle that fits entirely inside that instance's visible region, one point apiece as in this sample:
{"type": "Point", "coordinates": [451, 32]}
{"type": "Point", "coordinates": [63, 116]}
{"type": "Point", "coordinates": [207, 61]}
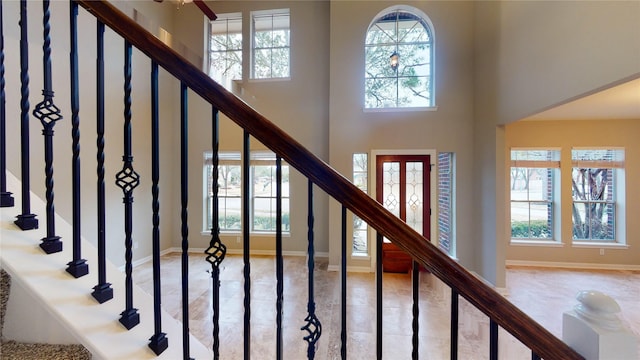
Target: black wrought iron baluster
{"type": "Point", "coordinates": [246, 252]}
{"type": "Point", "coordinates": [415, 281]}
{"type": "Point", "coordinates": [184, 199]}
{"type": "Point", "coordinates": [127, 179]}
{"type": "Point", "coordinates": [158, 342]}
{"type": "Point", "coordinates": [217, 250]}
{"type": "Point", "coordinates": [343, 286]}
{"type": "Point", "coordinates": [454, 324]}
{"type": "Point", "coordinates": [102, 291]}
{"type": "Point", "coordinates": [493, 340]}
{"type": "Point", "coordinates": [26, 220]}
{"type": "Point", "coordinates": [48, 114]}
{"type": "Point", "coordinates": [379, 296]}
{"type": "Point", "coordinates": [6, 198]}
{"type": "Point", "coordinates": [279, 260]}
{"type": "Point", "coordinates": [313, 326]}
{"type": "Point", "coordinates": [77, 266]}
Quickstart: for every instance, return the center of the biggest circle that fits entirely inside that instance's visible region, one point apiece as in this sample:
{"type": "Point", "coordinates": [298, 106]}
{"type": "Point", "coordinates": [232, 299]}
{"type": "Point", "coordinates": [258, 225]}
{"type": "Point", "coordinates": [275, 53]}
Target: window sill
{"type": "Point", "coordinates": [258, 80]}
{"type": "Point", "coordinates": [399, 109]}
{"type": "Point", "coordinates": [599, 245]}
{"type": "Point", "coordinates": [239, 234]}
{"type": "Point", "coordinates": [546, 243]}
{"type": "Point", "coordinates": [356, 256]}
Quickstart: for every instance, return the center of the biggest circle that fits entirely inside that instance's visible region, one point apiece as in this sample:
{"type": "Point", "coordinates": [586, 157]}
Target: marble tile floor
{"type": "Point", "coordinates": [544, 294]}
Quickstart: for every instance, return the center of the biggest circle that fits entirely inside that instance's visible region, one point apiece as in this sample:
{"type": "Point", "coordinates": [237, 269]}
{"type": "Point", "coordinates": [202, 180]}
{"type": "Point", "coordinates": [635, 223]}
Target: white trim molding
{"type": "Point", "coordinates": [570, 265]}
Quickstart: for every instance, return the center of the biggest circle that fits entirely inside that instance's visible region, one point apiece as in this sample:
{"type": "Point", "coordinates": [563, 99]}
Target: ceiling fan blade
{"type": "Point", "coordinates": [205, 9]}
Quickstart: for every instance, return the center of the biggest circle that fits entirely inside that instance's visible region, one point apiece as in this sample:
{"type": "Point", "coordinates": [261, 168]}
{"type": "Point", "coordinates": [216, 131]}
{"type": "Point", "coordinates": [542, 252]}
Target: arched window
{"type": "Point", "coordinates": [399, 50]}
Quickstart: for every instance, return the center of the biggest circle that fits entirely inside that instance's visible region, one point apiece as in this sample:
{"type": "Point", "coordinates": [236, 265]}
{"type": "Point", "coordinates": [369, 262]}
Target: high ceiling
{"type": "Point", "coordinates": [619, 102]}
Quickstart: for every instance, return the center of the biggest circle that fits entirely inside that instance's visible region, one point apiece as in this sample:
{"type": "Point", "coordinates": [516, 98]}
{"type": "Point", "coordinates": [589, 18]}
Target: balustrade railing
{"type": "Point", "coordinates": [319, 176]}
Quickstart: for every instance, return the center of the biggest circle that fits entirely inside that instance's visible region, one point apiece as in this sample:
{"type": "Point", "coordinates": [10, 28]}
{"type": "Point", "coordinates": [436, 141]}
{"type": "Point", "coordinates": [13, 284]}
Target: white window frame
{"type": "Point", "coordinates": [234, 158]}
{"type": "Point", "coordinates": [363, 230]}
{"type": "Point", "coordinates": [394, 46]}
{"type": "Point", "coordinates": [617, 164]}
{"type": "Point", "coordinates": [254, 47]}
{"type": "Point", "coordinates": [552, 165]}
{"type": "Point", "coordinates": [228, 19]}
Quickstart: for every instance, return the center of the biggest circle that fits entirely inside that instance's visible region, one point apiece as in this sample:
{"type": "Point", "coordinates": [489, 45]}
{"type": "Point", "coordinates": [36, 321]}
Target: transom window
{"type": "Point", "coordinates": [399, 60]}
{"type": "Point", "coordinates": [225, 49]}
{"type": "Point", "coordinates": [270, 44]}
{"type": "Point", "coordinates": [595, 180]}
{"type": "Point", "coordinates": [533, 176]}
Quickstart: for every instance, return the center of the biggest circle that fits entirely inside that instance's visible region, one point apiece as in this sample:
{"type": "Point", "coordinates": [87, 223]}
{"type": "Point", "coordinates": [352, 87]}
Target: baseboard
{"type": "Point", "coordinates": [570, 265]}
{"type": "Point", "coordinates": [318, 255]}
{"type": "Point", "coordinates": [354, 269]}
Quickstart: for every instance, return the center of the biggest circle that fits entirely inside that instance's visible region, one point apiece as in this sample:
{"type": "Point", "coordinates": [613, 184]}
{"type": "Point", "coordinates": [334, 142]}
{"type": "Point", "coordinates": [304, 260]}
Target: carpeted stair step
{"type": "Point", "coordinates": [13, 350]}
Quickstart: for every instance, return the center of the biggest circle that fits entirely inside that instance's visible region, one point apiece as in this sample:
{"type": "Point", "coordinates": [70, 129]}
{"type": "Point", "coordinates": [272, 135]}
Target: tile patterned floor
{"type": "Point", "coordinates": [543, 294]}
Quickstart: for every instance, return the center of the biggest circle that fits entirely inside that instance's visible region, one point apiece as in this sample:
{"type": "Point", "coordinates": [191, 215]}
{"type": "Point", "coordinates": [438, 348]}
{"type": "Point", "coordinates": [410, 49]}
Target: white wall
{"type": "Point", "coordinates": [449, 128]}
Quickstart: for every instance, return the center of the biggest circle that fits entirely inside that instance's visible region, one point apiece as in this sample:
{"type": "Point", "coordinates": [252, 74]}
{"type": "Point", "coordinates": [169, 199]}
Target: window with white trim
{"type": "Point", "coordinates": [270, 44]}
{"type": "Point", "coordinates": [262, 210]}
{"type": "Point", "coordinates": [534, 203]}
{"type": "Point", "coordinates": [399, 53]}
{"type": "Point", "coordinates": [225, 49]}
{"type": "Point", "coordinates": [360, 244]}
{"type": "Point", "coordinates": [597, 183]}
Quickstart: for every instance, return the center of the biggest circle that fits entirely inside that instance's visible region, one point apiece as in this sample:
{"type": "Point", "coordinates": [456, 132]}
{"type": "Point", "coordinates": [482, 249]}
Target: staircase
{"type": "Point", "coordinates": [13, 350]}
{"type": "Point", "coordinates": [143, 330]}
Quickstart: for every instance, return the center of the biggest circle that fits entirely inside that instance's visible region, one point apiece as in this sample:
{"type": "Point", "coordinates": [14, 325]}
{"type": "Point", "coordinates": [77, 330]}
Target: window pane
{"type": "Point", "coordinates": [381, 93]}
{"type": "Point", "coordinates": [230, 214]}
{"type": "Point", "coordinates": [280, 63]}
{"type": "Point", "coordinates": [391, 187]}
{"type": "Point", "coordinates": [531, 203]}
{"type": "Point", "coordinates": [540, 221]}
{"type": "Point", "coordinates": [271, 42]}
{"type": "Point", "coordinates": [412, 31]}
{"type": "Point", "coordinates": [408, 35]}
{"type": "Point", "coordinates": [413, 91]}
{"type": "Point", "coordinates": [378, 60]}
{"type": "Point", "coordinates": [262, 39]}
{"type": "Point", "coordinates": [225, 49]}
{"type": "Point", "coordinates": [262, 64]}
{"type": "Point", "coordinates": [593, 221]}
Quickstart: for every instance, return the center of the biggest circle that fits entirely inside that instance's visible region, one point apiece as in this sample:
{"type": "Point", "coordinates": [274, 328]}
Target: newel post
{"type": "Point", "coordinates": [594, 329]}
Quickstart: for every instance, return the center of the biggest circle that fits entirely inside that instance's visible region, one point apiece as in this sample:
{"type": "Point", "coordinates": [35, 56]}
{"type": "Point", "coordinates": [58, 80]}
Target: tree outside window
{"type": "Point", "coordinates": [262, 175]}
{"type": "Point", "coordinates": [270, 44]}
{"type": "Point", "coordinates": [401, 33]}
{"type": "Point", "coordinates": [533, 174]}
{"type": "Point", "coordinates": [225, 49]}
{"type": "Point", "coordinates": [593, 184]}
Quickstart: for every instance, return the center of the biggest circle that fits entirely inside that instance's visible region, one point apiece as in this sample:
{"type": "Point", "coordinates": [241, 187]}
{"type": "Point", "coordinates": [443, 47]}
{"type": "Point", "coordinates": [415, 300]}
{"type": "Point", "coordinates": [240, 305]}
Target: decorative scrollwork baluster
{"type": "Point", "coordinates": [313, 326]}
{"type": "Point", "coordinates": [127, 179]}
{"type": "Point", "coordinates": [216, 250]}
{"type": "Point", "coordinates": [48, 114]}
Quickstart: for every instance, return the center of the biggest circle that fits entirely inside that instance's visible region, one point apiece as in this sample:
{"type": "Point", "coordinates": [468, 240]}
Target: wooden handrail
{"type": "Point", "coordinates": [481, 295]}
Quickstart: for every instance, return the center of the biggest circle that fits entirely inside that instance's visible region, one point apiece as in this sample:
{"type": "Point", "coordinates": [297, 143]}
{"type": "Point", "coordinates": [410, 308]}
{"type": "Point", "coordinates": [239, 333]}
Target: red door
{"type": "Point", "coordinates": [402, 187]}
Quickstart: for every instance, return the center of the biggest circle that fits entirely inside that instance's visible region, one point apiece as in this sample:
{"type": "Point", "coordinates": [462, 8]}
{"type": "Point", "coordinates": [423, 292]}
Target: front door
{"type": "Point", "coordinates": [402, 187]}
